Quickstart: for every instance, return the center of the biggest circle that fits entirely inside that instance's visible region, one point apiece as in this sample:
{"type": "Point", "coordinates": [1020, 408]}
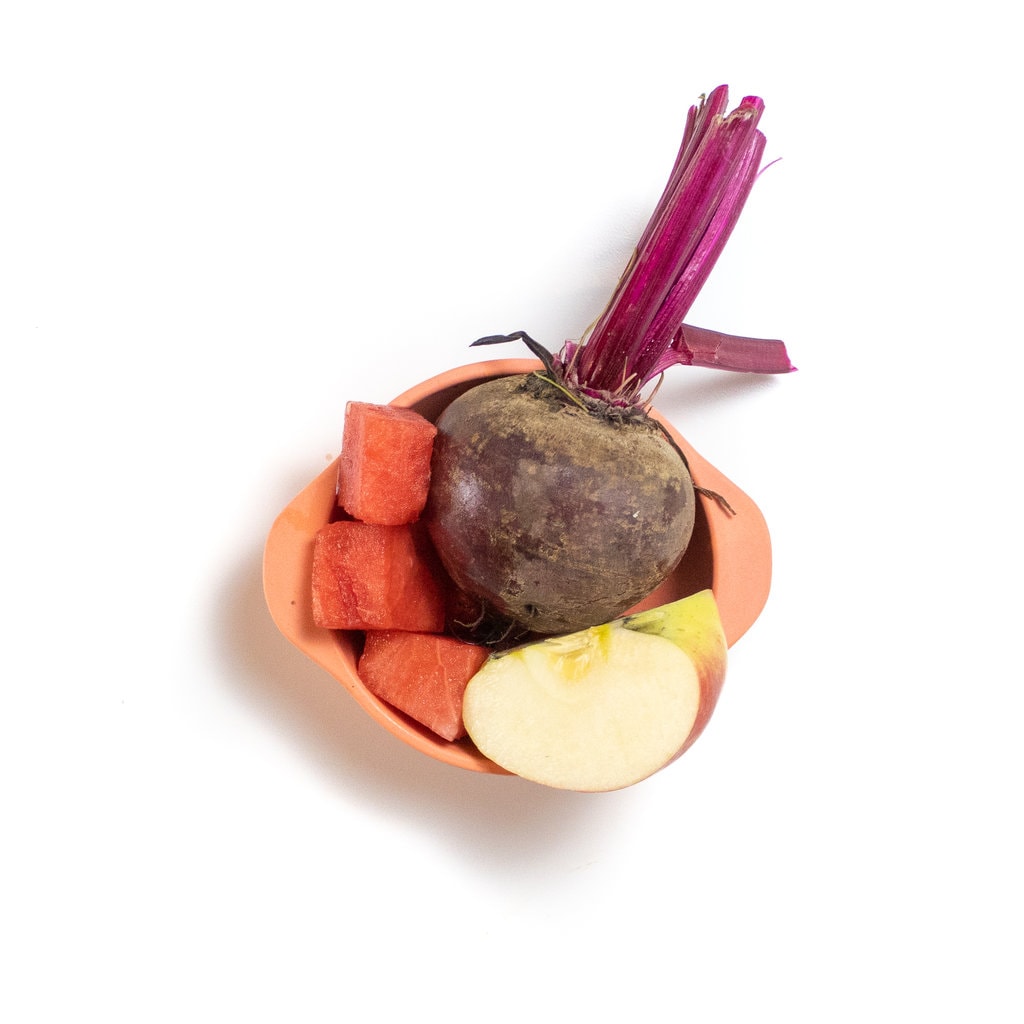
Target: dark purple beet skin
{"type": "Point", "coordinates": [554, 517]}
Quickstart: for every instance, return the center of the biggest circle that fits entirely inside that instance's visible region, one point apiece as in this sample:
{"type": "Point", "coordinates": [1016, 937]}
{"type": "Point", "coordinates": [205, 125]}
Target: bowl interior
{"type": "Point", "coordinates": [729, 552]}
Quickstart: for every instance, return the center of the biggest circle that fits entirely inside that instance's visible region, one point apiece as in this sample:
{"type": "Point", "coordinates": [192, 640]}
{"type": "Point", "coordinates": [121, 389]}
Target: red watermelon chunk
{"type": "Point", "coordinates": [367, 576]}
{"type": "Point", "coordinates": [423, 675]}
{"type": "Point", "coordinates": [384, 469]}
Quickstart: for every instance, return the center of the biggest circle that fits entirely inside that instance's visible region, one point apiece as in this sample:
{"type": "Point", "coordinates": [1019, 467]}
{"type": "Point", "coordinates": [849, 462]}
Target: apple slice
{"type": "Point", "coordinates": [606, 707]}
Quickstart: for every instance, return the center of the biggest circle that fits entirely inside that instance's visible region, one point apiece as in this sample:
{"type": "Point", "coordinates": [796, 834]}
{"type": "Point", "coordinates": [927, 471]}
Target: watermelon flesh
{"type": "Point", "coordinates": [423, 675]}
{"type": "Point", "coordinates": [374, 571]}
{"type": "Point", "coordinates": [368, 576]}
{"type": "Point", "coordinates": [384, 468]}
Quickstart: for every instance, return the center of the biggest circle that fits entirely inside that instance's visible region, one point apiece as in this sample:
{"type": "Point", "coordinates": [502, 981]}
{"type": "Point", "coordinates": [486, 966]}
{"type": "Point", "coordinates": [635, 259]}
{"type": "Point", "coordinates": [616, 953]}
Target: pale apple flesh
{"type": "Point", "coordinates": [606, 707]}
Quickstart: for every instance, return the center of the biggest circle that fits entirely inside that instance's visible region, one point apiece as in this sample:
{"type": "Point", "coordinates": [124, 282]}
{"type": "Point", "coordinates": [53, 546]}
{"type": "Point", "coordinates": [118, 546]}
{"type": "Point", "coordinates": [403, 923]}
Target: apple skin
{"type": "Point", "coordinates": [599, 709]}
{"type": "Point", "coordinates": [695, 628]}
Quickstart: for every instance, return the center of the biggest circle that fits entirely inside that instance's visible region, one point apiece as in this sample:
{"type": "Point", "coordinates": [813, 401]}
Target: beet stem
{"type": "Point", "coordinates": [641, 333]}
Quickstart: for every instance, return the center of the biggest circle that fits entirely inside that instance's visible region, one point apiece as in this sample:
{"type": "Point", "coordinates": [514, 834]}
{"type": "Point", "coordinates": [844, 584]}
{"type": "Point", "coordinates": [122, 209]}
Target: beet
{"type": "Point", "coordinates": [555, 502]}
{"type": "Point", "coordinates": [528, 518]}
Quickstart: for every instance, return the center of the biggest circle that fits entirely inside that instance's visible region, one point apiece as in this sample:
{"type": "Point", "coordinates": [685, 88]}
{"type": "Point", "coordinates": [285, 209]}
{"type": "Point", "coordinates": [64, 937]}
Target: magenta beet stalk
{"type": "Point", "coordinates": [641, 332]}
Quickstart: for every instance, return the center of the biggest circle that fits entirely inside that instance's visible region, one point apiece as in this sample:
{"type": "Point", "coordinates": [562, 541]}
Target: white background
{"type": "Point", "coordinates": [220, 221]}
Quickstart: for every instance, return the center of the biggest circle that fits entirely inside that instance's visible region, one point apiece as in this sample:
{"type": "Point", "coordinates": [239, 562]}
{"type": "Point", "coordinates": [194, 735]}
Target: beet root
{"type": "Point", "coordinates": [554, 516]}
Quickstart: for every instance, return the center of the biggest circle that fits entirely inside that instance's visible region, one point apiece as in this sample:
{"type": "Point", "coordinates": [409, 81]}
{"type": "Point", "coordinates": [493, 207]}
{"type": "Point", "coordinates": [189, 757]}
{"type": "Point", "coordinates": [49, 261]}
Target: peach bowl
{"type": "Point", "coordinates": [730, 553]}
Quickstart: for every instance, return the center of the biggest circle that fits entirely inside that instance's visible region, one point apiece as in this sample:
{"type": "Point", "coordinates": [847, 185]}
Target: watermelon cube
{"type": "Point", "coordinates": [384, 469]}
{"type": "Point", "coordinates": [367, 576]}
{"type": "Point", "coordinates": [423, 675]}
